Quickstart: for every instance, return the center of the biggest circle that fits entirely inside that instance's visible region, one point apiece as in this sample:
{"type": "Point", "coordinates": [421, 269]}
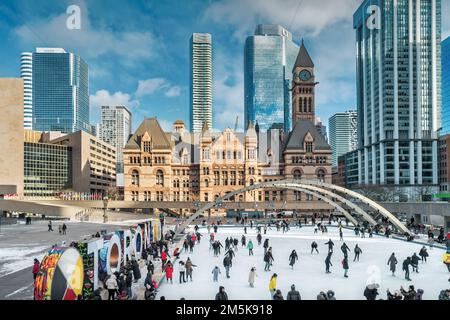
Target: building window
{"type": "Point", "coordinates": [206, 197]}
{"type": "Point", "coordinates": [206, 183]}
{"type": "Point", "coordinates": [147, 146]}
{"type": "Point", "coordinates": [309, 146]}
{"type": "Point", "coordinates": [321, 175]}
{"type": "Point", "coordinates": [297, 174]}
{"type": "Point", "coordinates": [159, 178]}
{"type": "Point", "coordinates": [135, 178]}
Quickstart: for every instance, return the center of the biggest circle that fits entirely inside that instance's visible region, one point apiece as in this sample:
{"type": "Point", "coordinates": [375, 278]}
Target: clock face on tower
{"type": "Point", "coordinates": [305, 75]}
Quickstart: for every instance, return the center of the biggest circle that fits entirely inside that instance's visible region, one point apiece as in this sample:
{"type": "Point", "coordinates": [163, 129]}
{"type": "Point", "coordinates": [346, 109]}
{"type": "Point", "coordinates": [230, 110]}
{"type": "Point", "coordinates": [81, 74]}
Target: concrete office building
{"type": "Point", "coordinates": [11, 133]}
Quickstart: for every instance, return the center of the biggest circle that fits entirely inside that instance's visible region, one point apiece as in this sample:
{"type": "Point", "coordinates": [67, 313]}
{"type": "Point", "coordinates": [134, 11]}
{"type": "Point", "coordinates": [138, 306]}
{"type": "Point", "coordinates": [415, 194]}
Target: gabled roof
{"type": "Point", "coordinates": [158, 137]}
{"type": "Point", "coordinates": [297, 136]}
{"type": "Point", "coordinates": [303, 58]}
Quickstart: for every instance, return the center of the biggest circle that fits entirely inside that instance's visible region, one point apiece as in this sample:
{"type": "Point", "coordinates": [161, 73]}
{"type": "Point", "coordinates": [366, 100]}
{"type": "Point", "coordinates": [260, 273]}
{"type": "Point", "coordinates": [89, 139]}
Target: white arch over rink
{"type": "Point", "coordinates": [324, 191]}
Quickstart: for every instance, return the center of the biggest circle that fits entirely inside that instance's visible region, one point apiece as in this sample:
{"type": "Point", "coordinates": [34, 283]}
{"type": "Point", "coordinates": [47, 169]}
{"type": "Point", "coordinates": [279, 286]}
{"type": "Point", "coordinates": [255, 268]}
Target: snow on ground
{"type": "Point", "coordinates": [308, 274]}
{"type": "Point", "coordinates": [20, 257]}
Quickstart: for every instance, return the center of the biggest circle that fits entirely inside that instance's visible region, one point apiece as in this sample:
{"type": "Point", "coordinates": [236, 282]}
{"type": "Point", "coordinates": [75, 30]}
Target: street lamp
{"type": "Point", "coordinates": [105, 209]}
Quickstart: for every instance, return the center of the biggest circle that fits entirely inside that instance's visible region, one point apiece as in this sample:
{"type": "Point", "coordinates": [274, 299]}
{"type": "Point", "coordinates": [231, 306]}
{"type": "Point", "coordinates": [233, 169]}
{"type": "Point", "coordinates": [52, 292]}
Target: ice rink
{"type": "Point", "coordinates": [308, 274]}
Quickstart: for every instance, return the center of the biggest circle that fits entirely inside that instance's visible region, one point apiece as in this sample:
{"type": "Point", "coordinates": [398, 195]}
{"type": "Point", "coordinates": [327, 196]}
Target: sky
{"type": "Point", "coordinates": [138, 51]}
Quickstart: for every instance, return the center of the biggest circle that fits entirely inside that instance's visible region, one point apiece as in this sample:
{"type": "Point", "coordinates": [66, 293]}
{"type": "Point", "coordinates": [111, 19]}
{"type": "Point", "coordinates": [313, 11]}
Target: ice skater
{"type": "Point", "coordinates": [330, 245]}
{"type": "Point", "coordinates": [345, 266]}
{"type": "Point", "coordinates": [345, 249]}
{"type": "Point", "coordinates": [250, 247]}
{"type": "Point", "coordinates": [328, 263]}
{"type": "Point", "coordinates": [314, 247]}
{"type": "Point", "coordinates": [357, 251]}
{"type": "Point", "coordinates": [251, 277]}
{"type": "Point", "coordinates": [392, 263]}
{"type": "Point", "coordinates": [292, 258]}
{"type": "Point", "coordinates": [406, 264]}
{"type": "Point", "coordinates": [268, 259]}
{"type": "Point", "coordinates": [216, 271]}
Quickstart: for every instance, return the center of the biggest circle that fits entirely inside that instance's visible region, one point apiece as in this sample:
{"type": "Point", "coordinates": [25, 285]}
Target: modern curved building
{"type": "Point", "coordinates": [26, 73]}
{"type": "Point", "coordinates": [201, 81]}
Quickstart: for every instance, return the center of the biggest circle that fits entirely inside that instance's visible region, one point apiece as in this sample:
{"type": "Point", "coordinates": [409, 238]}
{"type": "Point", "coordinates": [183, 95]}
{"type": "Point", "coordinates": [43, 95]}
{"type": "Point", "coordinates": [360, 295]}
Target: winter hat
{"type": "Point", "coordinates": [411, 287]}
{"type": "Point", "coordinates": [322, 296]}
{"type": "Point", "coordinates": [330, 294]}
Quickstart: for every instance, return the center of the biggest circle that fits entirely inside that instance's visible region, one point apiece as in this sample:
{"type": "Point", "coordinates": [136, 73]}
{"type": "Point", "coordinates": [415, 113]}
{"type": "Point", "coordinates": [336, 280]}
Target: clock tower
{"type": "Point", "coordinates": [303, 88]}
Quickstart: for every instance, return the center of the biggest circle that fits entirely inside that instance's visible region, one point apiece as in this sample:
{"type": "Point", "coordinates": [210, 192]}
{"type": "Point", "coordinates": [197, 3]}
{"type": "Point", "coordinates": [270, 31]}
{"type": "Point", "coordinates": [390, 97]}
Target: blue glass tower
{"type": "Point", "coordinates": [446, 86]}
{"type": "Point", "coordinates": [268, 61]}
{"type": "Point", "coordinates": [60, 91]}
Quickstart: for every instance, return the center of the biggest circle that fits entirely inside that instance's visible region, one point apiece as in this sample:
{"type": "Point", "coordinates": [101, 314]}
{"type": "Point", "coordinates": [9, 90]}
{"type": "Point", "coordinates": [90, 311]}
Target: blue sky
{"type": "Point", "coordinates": [138, 51]}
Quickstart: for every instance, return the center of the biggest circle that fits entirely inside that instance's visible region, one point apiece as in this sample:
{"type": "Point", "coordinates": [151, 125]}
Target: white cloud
{"type": "Point", "coordinates": [151, 86]}
{"type": "Point", "coordinates": [91, 41]}
{"type": "Point", "coordinates": [311, 17]}
{"type": "Point", "coordinates": [105, 98]}
{"type": "Point", "coordinates": [174, 91]}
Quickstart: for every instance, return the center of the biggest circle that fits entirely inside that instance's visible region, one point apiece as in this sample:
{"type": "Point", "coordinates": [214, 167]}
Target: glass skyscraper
{"type": "Point", "coordinates": [59, 89]}
{"type": "Point", "coordinates": [446, 86]}
{"type": "Point", "coordinates": [343, 134]}
{"type": "Point", "coordinates": [269, 58]}
{"type": "Point", "coordinates": [201, 81]}
{"type": "Point", "coordinates": [398, 92]}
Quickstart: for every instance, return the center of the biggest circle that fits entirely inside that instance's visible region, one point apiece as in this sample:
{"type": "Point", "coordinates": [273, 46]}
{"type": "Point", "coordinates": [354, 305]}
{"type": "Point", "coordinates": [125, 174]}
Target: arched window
{"type": "Point", "coordinates": [252, 182]}
{"type": "Point", "coordinates": [305, 104]}
{"type": "Point", "coordinates": [310, 104]}
{"type": "Point", "coordinates": [135, 178]}
{"type": "Point", "coordinates": [297, 174]}
{"type": "Point", "coordinates": [159, 178]}
{"type": "Point", "coordinates": [206, 183]}
{"type": "Point", "coordinates": [321, 175]}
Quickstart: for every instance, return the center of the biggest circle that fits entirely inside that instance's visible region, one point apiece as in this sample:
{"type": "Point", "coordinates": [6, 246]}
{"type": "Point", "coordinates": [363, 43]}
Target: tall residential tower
{"type": "Point", "coordinates": [269, 58]}
{"type": "Point", "coordinates": [201, 81]}
{"type": "Point", "coordinates": [398, 92]}
{"type": "Point", "coordinates": [115, 129]}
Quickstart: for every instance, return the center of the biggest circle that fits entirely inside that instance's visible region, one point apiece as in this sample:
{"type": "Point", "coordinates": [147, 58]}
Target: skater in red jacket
{"type": "Point", "coordinates": [169, 272]}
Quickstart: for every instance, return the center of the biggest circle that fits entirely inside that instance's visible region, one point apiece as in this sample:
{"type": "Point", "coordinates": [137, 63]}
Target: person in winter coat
{"type": "Point", "coordinates": [230, 253]}
{"type": "Point", "coordinates": [322, 296]}
{"type": "Point", "coordinates": [419, 294]}
{"type": "Point", "coordinates": [345, 249]}
{"type": "Point", "coordinates": [273, 285]}
{"type": "Point", "coordinates": [221, 295]}
{"type": "Point", "coordinates": [266, 245]}
{"type": "Point", "coordinates": [150, 267]}
{"type": "Point", "coordinates": [136, 270]}
{"type": "Point", "coordinates": [259, 238]}
{"type": "Point", "coordinates": [250, 247]}
{"type": "Point", "coordinates": [251, 277]}
{"type": "Point", "coordinates": [163, 258]}
{"type": "Point", "coordinates": [406, 264]}
{"type": "Point", "coordinates": [423, 254]}
{"type": "Point", "coordinates": [243, 241]}
{"type": "Point", "coordinates": [341, 235]}
{"type": "Point", "coordinates": [216, 272]}
{"type": "Point", "coordinates": [268, 259]}
{"type": "Point", "coordinates": [415, 263]}
{"type": "Point", "coordinates": [444, 295]}
{"type": "Point", "coordinates": [357, 251]}
{"type": "Point", "coordinates": [189, 268]}
{"type": "Point", "coordinates": [330, 295]}
{"type": "Point", "coordinates": [328, 263]}
{"type": "Point", "coordinates": [392, 263]}
{"type": "Point", "coordinates": [112, 286]}
{"type": "Point", "coordinates": [182, 270]}
{"type": "Point", "coordinates": [345, 266]}
{"type": "Point", "coordinates": [36, 268]}
{"type": "Point", "coordinates": [314, 247]}
{"type": "Point", "coordinates": [371, 292]}
{"type": "Point", "coordinates": [278, 295]}
{"type": "Point", "coordinates": [410, 294]}
{"type": "Point", "coordinates": [396, 296]}
{"type": "Point", "coordinates": [129, 282]}
{"type": "Point", "coordinates": [292, 258]}
{"type": "Point", "coordinates": [227, 265]}
{"type": "Point", "coordinates": [169, 272]}
{"type": "Point", "coordinates": [330, 245]}
{"type": "Point", "coordinates": [293, 294]}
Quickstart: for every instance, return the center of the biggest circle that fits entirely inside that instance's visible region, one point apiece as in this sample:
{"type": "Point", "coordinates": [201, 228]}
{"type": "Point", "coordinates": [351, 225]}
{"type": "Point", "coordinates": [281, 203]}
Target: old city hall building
{"type": "Point", "coordinates": [183, 166]}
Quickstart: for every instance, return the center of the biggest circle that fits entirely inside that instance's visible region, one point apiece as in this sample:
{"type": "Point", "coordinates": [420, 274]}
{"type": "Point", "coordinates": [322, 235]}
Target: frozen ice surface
{"type": "Point", "coordinates": [308, 274]}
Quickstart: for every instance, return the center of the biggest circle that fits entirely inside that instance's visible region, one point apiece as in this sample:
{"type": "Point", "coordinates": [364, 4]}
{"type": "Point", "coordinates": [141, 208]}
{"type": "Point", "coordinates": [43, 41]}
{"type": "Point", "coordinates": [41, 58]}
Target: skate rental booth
{"type": "Point", "coordinates": [68, 272]}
